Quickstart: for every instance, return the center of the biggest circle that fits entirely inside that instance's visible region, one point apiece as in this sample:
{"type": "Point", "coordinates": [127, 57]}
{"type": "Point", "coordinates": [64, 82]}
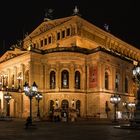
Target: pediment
{"type": "Point", "coordinates": [10, 54]}
{"type": "Point", "coordinates": [47, 25]}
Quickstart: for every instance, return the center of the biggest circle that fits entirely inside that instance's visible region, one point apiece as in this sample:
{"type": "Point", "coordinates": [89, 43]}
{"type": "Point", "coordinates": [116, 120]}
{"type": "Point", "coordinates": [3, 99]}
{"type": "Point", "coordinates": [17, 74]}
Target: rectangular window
{"type": "Point", "coordinates": [50, 40]}
{"type": "Point", "coordinates": [41, 43]}
{"type": "Point", "coordinates": [45, 41]}
{"type": "Point", "coordinates": [68, 32]}
{"type": "Point", "coordinates": [63, 33]}
{"type": "Point", "coordinates": [58, 36]}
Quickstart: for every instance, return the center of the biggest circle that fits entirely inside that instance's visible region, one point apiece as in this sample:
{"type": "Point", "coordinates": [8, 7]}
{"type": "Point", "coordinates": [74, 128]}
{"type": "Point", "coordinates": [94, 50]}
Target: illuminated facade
{"type": "Point", "coordinates": [75, 65]}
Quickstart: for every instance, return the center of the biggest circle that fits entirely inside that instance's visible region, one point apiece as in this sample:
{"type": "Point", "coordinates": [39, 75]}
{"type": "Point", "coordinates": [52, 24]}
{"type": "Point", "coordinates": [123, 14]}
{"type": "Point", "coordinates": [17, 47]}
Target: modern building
{"type": "Point", "coordinates": [76, 65]}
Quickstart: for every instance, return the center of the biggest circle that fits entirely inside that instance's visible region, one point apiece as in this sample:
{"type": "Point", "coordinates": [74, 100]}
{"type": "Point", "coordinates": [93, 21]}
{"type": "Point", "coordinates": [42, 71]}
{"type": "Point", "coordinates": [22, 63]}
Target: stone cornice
{"type": "Point", "coordinates": [85, 51]}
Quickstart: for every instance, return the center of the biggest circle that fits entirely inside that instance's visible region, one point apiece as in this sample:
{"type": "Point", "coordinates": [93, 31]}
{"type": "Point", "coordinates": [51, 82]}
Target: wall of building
{"type": "Point", "coordinates": [93, 95]}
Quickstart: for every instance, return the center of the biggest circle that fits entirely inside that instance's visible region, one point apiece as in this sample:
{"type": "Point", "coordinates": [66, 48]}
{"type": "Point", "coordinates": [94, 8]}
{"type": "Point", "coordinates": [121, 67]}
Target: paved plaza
{"type": "Point", "coordinates": [83, 130]}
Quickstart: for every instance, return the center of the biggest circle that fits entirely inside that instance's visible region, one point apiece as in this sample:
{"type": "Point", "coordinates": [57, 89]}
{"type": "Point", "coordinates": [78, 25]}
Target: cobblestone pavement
{"type": "Point", "coordinates": [15, 130]}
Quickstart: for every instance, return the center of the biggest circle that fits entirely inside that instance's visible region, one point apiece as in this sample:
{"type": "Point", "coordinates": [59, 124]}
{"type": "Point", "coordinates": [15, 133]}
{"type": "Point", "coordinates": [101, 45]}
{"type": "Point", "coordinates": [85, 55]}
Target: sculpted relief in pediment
{"type": "Point", "coordinates": [8, 56]}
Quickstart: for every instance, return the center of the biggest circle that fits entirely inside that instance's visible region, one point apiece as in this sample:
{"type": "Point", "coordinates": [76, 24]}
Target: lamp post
{"type": "Point", "coordinates": [115, 99]}
{"type": "Point", "coordinates": [8, 97]}
{"type": "Point", "coordinates": [38, 98]}
{"type": "Point", "coordinates": [131, 105]}
{"type": "Point", "coordinates": [30, 92]}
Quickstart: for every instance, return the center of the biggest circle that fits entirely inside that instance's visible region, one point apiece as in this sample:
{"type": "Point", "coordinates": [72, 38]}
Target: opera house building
{"type": "Point", "coordinates": [76, 66]}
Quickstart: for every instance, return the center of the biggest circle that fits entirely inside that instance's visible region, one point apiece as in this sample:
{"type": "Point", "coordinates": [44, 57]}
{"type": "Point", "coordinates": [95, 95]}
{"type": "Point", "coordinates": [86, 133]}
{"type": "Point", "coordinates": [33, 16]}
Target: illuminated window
{"type": "Point", "coordinates": [117, 80]}
{"type": "Point", "coordinates": [52, 80]}
{"type": "Point", "coordinates": [6, 81]}
{"type": "Point", "coordinates": [77, 80]}
{"type": "Point", "coordinates": [65, 79]}
{"type": "Point", "coordinates": [106, 80]}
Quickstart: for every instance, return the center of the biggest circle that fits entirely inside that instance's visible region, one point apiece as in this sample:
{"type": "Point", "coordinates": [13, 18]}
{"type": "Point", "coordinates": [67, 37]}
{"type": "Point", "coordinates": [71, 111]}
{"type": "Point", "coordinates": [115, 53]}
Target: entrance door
{"type": "Point", "coordinates": [65, 106]}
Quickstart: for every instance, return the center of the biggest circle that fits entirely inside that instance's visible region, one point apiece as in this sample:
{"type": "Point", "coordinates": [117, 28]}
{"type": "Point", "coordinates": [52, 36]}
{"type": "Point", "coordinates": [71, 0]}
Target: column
{"type": "Point", "coordinates": [8, 78]}
{"type": "Point", "coordinates": [15, 77]}
{"type": "Point", "coordinates": [102, 77]}
{"type": "Point", "coordinates": [112, 83]}
{"type": "Point", "coordinates": [58, 76]}
{"type": "Point", "coordinates": [44, 76]}
{"type": "Point", "coordinates": [71, 77]}
{"type": "Point", "coordinates": [99, 73]}
{"type": "Point", "coordinates": [47, 77]}
{"type": "Point", "coordinates": [22, 75]}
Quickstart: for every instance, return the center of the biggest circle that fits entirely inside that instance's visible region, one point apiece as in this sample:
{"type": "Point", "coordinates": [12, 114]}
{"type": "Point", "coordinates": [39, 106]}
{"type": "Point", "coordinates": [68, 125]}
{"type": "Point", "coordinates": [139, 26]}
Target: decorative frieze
{"type": "Point", "coordinates": [93, 37]}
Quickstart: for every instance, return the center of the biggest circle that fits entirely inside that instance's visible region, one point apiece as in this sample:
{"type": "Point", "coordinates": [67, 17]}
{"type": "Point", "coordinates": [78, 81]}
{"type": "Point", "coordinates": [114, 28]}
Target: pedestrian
{"type": "Point", "coordinates": [28, 122]}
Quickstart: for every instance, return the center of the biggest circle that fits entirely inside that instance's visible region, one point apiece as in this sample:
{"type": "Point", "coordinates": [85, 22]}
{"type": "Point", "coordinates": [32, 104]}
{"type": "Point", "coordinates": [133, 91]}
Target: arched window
{"type": "Point", "coordinates": [106, 80]}
{"type": "Point", "coordinates": [65, 104]}
{"type": "Point", "coordinates": [13, 77]}
{"type": "Point", "coordinates": [52, 80]}
{"type": "Point", "coordinates": [65, 79]}
{"type": "Point", "coordinates": [77, 80]}
{"type": "Point", "coordinates": [78, 104]}
{"type": "Point", "coordinates": [126, 85]}
{"type": "Point", "coordinates": [6, 80]}
{"type": "Point", "coordinates": [27, 76]}
{"type": "Point", "coordinates": [19, 78]}
{"type": "Point", "coordinates": [117, 80]}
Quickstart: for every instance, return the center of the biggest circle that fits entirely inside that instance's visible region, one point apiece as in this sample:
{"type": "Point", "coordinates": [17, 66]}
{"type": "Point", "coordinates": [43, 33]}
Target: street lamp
{"type": "Point", "coordinates": [38, 98]}
{"type": "Point", "coordinates": [131, 105]}
{"type": "Point", "coordinates": [30, 92]}
{"type": "Point", "coordinates": [8, 97]}
{"type": "Point", "coordinates": [115, 99]}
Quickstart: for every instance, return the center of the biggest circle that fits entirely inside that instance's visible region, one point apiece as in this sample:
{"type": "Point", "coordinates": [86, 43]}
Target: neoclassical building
{"type": "Point", "coordinates": [75, 64]}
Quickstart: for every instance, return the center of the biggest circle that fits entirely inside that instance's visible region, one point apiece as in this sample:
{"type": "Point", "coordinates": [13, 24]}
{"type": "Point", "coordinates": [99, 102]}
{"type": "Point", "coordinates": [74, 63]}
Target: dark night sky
{"type": "Point", "coordinates": [20, 17]}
